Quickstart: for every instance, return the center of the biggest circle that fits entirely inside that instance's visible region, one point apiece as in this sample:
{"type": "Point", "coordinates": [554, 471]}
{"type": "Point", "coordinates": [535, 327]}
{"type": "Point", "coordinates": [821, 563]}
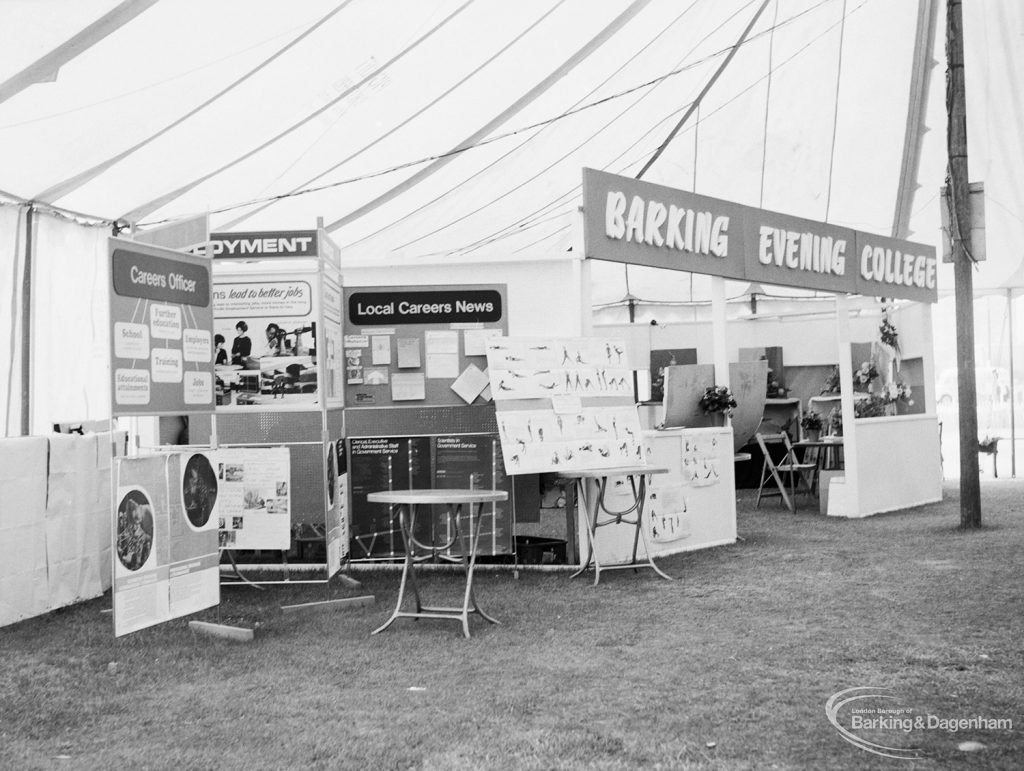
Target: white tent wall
{"type": "Point", "coordinates": [70, 324]}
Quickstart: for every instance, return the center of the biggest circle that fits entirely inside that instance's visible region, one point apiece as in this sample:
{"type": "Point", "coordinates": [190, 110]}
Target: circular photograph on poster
{"type": "Point", "coordinates": [134, 529]}
{"type": "Point", "coordinates": [331, 475]}
{"type": "Point", "coordinates": [199, 490]}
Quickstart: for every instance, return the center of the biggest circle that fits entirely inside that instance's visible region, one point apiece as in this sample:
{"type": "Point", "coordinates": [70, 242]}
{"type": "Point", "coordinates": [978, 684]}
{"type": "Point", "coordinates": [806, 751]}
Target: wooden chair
{"type": "Point", "coordinates": [799, 473]}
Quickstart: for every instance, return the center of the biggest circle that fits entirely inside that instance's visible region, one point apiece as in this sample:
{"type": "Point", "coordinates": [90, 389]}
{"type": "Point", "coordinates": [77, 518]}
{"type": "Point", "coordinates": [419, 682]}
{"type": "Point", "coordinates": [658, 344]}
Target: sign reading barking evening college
{"type": "Point", "coordinates": [640, 223]}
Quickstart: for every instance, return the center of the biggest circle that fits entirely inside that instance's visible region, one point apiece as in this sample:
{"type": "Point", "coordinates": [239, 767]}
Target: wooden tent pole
{"type": "Point", "coordinates": [963, 267]}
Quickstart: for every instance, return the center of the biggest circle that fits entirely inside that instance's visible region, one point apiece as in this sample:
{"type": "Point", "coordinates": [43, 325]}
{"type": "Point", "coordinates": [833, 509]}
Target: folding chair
{"type": "Point", "coordinates": [799, 473]}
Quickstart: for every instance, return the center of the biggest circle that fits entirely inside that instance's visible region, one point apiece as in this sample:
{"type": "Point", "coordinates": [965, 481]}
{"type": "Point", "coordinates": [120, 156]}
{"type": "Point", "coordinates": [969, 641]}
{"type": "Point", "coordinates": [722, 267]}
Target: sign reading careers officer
{"type": "Point", "coordinates": [161, 331]}
{"type": "Point", "coordinates": [640, 223]}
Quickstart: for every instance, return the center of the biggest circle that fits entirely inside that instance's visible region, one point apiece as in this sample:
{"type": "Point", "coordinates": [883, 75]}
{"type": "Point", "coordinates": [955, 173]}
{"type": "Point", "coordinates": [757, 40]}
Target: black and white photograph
{"type": "Point", "coordinates": [565, 384]}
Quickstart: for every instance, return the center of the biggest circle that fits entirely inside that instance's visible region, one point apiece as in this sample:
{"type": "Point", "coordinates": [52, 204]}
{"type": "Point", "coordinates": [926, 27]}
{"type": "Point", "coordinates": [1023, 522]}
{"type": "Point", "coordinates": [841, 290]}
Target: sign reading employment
{"type": "Point", "coordinates": [161, 327]}
{"type": "Point", "coordinates": [451, 306]}
{"type": "Point", "coordinates": [640, 223]}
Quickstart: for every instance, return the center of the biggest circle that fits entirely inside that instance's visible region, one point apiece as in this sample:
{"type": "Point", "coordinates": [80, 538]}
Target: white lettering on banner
{"type": "Point", "coordinates": [891, 266]}
{"type": "Point", "coordinates": [654, 224]}
{"type": "Point", "coordinates": [239, 246]}
{"type": "Point", "coordinates": [146, 278]}
{"type": "Point", "coordinates": [463, 306]}
{"type": "Point", "coordinates": [406, 308]}
{"type": "Point", "coordinates": [384, 309]}
{"type": "Point", "coordinates": [801, 251]}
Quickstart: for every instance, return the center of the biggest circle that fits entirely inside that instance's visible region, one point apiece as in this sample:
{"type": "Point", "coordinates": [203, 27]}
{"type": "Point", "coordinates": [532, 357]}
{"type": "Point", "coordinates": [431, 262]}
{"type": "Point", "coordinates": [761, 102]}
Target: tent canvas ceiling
{"type": "Point", "coordinates": [454, 129]}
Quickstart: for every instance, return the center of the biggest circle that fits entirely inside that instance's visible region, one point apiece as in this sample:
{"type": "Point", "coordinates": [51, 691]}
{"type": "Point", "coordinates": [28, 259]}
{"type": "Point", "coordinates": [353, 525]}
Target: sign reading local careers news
{"type": "Point", "coordinates": [640, 223]}
{"type": "Point", "coordinates": [453, 306]}
{"type": "Point", "coordinates": [161, 331]}
{"type": "Point", "coordinates": [165, 539]}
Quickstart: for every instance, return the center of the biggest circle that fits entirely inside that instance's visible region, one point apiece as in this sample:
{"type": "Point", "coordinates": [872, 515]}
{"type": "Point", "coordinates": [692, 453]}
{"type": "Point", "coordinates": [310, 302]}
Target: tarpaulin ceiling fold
{"type": "Point", "coordinates": [454, 129]}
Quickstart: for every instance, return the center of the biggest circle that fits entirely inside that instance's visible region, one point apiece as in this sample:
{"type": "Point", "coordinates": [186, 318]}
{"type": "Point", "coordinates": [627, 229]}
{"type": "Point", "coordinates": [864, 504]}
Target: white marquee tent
{"type": "Point", "coordinates": [451, 130]}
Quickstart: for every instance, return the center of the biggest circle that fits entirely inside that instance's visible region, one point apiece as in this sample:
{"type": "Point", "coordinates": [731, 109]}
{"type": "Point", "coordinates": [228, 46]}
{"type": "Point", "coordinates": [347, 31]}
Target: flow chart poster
{"type": "Point", "coordinates": [161, 331]}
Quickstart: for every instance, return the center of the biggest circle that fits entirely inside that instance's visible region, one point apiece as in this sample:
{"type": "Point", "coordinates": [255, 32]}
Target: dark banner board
{"type": "Point", "coordinates": [792, 251]}
{"type": "Point", "coordinates": [161, 331]}
{"type": "Point", "coordinates": [156, 278]}
{"type": "Point", "coordinates": [454, 306]}
{"type": "Point", "coordinates": [265, 244]}
{"type": "Point", "coordinates": [639, 223]}
{"type": "Point", "coordinates": [884, 263]}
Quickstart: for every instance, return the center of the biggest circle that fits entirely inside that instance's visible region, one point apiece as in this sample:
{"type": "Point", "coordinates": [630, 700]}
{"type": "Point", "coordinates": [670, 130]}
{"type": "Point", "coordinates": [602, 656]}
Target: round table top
{"type": "Point", "coordinates": [437, 496]}
{"type": "Point", "coordinates": [612, 471]}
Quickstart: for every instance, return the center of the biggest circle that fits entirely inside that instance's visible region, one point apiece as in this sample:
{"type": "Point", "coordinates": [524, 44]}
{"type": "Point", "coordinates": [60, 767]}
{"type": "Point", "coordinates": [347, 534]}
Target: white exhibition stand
{"type": "Point", "coordinates": [691, 507]}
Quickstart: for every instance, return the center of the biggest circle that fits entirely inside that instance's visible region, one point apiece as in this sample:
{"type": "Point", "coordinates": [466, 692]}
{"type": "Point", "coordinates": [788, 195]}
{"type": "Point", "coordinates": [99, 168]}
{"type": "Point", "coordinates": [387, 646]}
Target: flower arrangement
{"type": "Point", "coordinates": [812, 421]}
{"type": "Point", "coordinates": [888, 335]}
{"type": "Point", "coordinates": [875, 406]}
{"type": "Point", "coordinates": [717, 399]}
{"type": "Point", "coordinates": [897, 392]}
{"type": "Point", "coordinates": [832, 385]}
{"type": "Point", "coordinates": [864, 376]}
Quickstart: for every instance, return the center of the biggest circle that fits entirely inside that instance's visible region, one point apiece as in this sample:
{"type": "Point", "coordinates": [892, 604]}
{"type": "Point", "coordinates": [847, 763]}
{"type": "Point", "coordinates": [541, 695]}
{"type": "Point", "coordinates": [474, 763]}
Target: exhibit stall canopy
{"type": "Point", "coordinates": [134, 113]}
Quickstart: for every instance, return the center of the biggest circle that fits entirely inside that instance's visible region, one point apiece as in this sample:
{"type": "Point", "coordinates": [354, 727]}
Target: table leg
{"type": "Point", "coordinates": [469, 602]}
{"type": "Point", "coordinates": [590, 516]}
{"type": "Point", "coordinates": [408, 572]}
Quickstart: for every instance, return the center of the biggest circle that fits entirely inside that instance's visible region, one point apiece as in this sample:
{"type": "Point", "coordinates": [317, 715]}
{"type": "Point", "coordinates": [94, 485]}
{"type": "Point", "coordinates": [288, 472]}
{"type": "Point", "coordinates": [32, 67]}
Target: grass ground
{"type": "Point", "coordinates": [727, 667]}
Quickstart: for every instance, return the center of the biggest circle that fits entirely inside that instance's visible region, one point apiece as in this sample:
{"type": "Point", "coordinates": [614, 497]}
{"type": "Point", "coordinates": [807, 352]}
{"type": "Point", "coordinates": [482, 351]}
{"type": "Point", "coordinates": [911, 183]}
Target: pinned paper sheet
{"type": "Point", "coordinates": [408, 386]}
{"type": "Point", "coordinates": [470, 383]}
{"type": "Point", "coordinates": [475, 340]}
{"type": "Point", "coordinates": [381, 349]}
{"type": "Point", "coordinates": [408, 353]}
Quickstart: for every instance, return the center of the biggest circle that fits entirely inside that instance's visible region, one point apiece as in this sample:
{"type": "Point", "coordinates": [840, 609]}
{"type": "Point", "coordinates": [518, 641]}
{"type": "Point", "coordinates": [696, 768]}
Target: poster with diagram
{"type": "Point", "coordinates": [536, 368]}
{"type": "Point", "coordinates": [161, 331]}
{"type": "Point", "coordinates": [254, 500]}
{"type": "Point", "coordinates": [564, 404]}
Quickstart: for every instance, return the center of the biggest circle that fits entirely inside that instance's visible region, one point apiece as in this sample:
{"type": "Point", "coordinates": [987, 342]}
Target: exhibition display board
{"type": "Point", "coordinates": [419, 412]}
{"type": "Point", "coordinates": [165, 550]}
{"type": "Point", "coordinates": [161, 327]}
{"type": "Point", "coordinates": [638, 223]}
{"type": "Point", "coordinates": [280, 385]}
{"type": "Point", "coordinates": [564, 404]}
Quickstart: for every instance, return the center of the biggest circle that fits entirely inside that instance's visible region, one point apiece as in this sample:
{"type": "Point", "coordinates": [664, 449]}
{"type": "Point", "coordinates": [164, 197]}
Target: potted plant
{"type": "Point", "coordinates": [717, 400]}
{"type": "Point", "coordinates": [812, 424]}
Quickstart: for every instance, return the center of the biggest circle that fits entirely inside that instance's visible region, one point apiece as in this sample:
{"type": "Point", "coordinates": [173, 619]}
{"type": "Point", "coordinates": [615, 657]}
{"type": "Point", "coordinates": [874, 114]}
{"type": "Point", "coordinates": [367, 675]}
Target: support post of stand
{"type": "Point", "coordinates": [26, 328]}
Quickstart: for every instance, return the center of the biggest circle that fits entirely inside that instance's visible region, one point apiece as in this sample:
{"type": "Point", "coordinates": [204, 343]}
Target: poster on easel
{"type": "Point", "coordinates": [254, 498]}
{"type": "Point", "coordinates": [164, 540]}
{"type": "Point", "coordinates": [564, 404]}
